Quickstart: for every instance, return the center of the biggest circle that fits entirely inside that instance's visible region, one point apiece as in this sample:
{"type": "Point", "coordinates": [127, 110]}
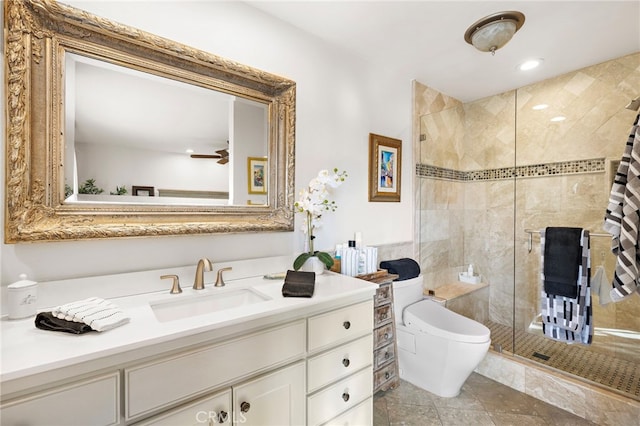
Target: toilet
{"type": "Point", "coordinates": [437, 348]}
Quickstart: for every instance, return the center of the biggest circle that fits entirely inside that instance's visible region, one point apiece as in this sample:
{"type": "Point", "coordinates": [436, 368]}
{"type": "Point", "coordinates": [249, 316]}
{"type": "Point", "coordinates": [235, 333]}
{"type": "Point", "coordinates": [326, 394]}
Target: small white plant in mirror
{"type": "Point", "coordinates": [313, 202]}
{"type": "Point", "coordinates": [120, 190]}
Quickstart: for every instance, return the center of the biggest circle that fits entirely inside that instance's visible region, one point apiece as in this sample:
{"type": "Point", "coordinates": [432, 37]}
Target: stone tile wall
{"type": "Point", "coordinates": [490, 169]}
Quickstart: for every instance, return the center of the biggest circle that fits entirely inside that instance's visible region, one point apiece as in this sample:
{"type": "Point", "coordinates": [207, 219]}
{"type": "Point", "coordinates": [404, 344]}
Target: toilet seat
{"type": "Point", "coordinates": [430, 317]}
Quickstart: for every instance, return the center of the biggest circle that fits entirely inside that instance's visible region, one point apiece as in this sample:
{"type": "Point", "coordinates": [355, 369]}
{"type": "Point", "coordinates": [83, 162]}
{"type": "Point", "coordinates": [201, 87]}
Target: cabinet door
{"type": "Point", "coordinates": [276, 399]}
{"type": "Point", "coordinates": [211, 410]}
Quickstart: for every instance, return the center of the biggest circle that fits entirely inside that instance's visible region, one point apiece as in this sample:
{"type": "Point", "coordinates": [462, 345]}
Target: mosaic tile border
{"type": "Point", "coordinates": [533, 170]}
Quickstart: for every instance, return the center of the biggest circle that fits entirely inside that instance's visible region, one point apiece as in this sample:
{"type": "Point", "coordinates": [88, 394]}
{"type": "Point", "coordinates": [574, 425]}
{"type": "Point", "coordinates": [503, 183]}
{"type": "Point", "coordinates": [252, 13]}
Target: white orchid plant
{"type": "Point", "coordinates": [313, 203]}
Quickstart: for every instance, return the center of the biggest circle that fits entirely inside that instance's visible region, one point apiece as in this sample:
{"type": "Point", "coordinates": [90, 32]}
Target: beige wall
{"type": "Point", "coordinates": [476, 217]}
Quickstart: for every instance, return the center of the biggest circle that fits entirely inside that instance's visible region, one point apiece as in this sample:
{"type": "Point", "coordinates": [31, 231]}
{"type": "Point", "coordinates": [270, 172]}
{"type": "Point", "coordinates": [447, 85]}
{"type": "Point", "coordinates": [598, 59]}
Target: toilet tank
{"type": "Point", "coordinates": [406, 293]}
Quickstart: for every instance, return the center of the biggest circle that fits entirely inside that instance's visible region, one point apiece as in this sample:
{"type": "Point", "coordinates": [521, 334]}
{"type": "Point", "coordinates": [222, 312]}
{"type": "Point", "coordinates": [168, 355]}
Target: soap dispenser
{"type": "Point", "coordinates": [470, 270]}
{"type": "Point", "coordinates": [22, 298]}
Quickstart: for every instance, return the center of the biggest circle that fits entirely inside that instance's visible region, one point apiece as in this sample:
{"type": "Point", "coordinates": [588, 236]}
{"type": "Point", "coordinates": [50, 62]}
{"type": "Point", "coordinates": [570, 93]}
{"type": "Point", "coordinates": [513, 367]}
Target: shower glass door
{"type": "Point", "coordinates": [570, 134]}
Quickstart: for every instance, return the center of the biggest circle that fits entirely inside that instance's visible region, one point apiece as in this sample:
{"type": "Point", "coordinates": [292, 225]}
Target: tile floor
{"type": "Point", "coordinates": [482, 401]}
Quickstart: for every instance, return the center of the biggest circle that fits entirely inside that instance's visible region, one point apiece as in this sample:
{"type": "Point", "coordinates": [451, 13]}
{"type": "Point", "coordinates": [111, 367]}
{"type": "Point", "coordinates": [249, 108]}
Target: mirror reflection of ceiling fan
{"type": "Point", "coordinates": [222, 155]}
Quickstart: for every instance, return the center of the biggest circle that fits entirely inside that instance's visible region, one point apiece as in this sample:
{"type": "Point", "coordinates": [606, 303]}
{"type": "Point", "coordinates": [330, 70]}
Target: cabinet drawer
{"type": "Point", "coordinates": [339, 362]}
{"type": "Point", "coordinates": [382, 314]}
{"type": "Point", "coordinates": [384, 374]}
{"type": "Point", "coordinates": [214, 409]}
{"type": "Point", "coordinates": [361, 414]}
{"type": "Point", "coordinates": [340, 325]}
{"type": "Point", "coordinates": [339, 397]}
{"type": "Point", "coordinates": [89, 402]}
{"type": "Point", "coordinates": [153, 385]}
{"type": "Point", "coordinates": [384, 355]}
{"type": "Point", "coordinates": [383, 294]}
{"type": "Point", "coordinates": [383, 335]}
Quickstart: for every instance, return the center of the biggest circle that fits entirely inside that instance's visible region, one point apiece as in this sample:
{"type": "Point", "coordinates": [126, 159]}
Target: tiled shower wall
{"type": "Point", "coordinates": [470, 206]}
{"type": "Point", "coordinates": [466, 191]}
{"type": "Point", "coordinates": [597, 126]}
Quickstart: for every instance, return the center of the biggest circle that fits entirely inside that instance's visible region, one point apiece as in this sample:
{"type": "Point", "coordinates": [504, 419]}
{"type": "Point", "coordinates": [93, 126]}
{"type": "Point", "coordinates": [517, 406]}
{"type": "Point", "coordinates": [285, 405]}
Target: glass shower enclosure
{"type": "Point", "coordinates": [494, 172]}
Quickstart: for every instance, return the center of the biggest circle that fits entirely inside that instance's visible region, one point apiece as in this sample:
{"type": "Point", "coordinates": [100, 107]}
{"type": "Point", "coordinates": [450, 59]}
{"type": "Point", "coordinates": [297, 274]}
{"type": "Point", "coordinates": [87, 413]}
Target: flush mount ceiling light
{"type": "Point", "coordinates": [494, 31]}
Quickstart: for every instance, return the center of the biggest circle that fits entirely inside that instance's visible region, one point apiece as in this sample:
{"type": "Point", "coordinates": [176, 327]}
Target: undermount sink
{"type": "Point", "coordinates": [171, 310]}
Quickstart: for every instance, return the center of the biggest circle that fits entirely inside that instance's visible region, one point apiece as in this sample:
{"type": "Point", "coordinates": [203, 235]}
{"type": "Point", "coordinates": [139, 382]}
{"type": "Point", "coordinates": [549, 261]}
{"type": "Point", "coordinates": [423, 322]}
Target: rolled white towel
{"type": "Point", "coordinates": [97, 313]}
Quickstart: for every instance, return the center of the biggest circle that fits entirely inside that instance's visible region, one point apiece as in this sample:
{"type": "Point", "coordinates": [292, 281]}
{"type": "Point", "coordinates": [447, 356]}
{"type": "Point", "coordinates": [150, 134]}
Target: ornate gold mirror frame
{"type": "Point", "coordinates": [38, 33]}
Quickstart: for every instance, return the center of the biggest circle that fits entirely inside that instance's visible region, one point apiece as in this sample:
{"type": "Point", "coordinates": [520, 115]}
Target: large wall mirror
{"type": "Point", "coordinates": [115, 132]}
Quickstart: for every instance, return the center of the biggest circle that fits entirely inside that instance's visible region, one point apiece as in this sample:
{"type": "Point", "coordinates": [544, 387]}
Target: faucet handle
{"type": "Point", "coordinates": [219, 278]}
{"type": "Point", "coordinates": [175, 287]}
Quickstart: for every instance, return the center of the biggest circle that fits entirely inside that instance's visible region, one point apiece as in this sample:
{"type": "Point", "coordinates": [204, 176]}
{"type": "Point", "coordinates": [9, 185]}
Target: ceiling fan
{"type": "Point", "coordinates": [222, 155]}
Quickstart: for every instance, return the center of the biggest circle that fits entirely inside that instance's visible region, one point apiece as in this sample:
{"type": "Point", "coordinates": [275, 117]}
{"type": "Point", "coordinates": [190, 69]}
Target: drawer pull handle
{"type": "Point", "coordinates": [245, 406]}
{"type": "Point", "coordinates": [222, 416]}
{"type": "Point", "coordinates": [345, 397]}
{"type": "Point", "coordinates": [387, 355]}
{"type": "Point", "coordinates": [346, 362]}
{"type": "Point", "coordinates": [386, 336]}
{"type": "Point", "coordinates": [346, 325]}
{"type": "Point", "coordinates": [387, 375]}
{"type": "Point", "coordinates": [383, 317]}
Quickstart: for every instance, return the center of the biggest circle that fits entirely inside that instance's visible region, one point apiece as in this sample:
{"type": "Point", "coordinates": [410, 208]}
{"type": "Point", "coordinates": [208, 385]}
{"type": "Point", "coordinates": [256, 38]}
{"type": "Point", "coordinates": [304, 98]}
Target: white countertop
{"type": "Point", "coordinates": [27, 350]}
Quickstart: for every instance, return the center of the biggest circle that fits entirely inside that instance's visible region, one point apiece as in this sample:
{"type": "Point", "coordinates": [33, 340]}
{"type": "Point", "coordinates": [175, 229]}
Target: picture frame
{"type": "Point", "coordinates": [385, 165]}
{"type": "Point", "coordinates": [257, 175]}
{"type": "Point", "coordinates": [143, 191]}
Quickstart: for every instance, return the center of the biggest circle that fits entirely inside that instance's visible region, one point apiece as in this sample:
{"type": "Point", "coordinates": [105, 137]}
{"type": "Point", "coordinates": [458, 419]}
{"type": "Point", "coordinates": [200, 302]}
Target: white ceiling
{"type": "Point", "coordinates": [424, 40]}
{"type": "Point", "coordinates": [121, 106]}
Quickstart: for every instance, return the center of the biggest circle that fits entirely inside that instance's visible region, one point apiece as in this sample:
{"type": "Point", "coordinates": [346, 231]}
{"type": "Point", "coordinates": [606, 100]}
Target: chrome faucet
{"type": "Point", "coordinates": [204, 264]}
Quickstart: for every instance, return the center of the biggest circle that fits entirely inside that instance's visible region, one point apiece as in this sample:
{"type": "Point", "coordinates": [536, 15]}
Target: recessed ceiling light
{"type": "Point", "coordinates": [540, 107]}
{"type": "Point", "coordinates": [189, 151]}
{"type": "Point", "coordinates": [558, 118]}
{"type": "Point", "coordinates": [530, 64]}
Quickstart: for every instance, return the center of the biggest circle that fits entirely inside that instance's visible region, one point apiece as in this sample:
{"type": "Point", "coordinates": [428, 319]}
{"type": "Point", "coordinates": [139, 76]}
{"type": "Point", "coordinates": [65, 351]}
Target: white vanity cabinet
{"type": "Point", "coordinates": [288, 361]}
{"type": "Point", "coordinates": [339, 366]}
{"type": "Point", "coordinates": [161, 383]}
{"type": "Point", "coordinates": [275, 398]}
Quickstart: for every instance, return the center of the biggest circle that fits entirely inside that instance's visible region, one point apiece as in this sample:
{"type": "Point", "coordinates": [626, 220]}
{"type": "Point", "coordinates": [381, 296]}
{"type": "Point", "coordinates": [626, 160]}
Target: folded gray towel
{"type": "Point", "coordinates": [46, 321]}
{"type": "Point", "coordinates": [299, 284]}
{"type": "Point", "coordinates": [405, 268]}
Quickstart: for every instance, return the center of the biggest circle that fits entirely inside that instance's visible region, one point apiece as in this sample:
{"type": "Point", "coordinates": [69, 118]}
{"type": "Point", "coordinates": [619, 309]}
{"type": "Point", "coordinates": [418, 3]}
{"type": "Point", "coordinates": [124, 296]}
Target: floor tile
{"type": "Point", "coordinates": [481, 402]}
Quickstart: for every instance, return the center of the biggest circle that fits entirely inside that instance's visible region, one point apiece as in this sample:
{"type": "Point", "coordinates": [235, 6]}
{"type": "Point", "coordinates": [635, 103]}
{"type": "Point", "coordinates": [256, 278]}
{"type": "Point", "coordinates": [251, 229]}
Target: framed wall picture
{"type": "Point", "coordinates": [385, 162]}
{"type": "Point", "coordinates": [143, 191]}
{"type": "Point", "coordinates": [257, 175]}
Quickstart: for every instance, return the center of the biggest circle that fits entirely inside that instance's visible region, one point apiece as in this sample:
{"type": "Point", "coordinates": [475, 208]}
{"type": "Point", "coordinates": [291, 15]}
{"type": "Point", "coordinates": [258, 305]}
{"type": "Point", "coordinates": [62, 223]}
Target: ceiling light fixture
{"type": "Point", "coordinates": [494, 31]}
{"type": "Point", "coordinates": [540, 107]}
